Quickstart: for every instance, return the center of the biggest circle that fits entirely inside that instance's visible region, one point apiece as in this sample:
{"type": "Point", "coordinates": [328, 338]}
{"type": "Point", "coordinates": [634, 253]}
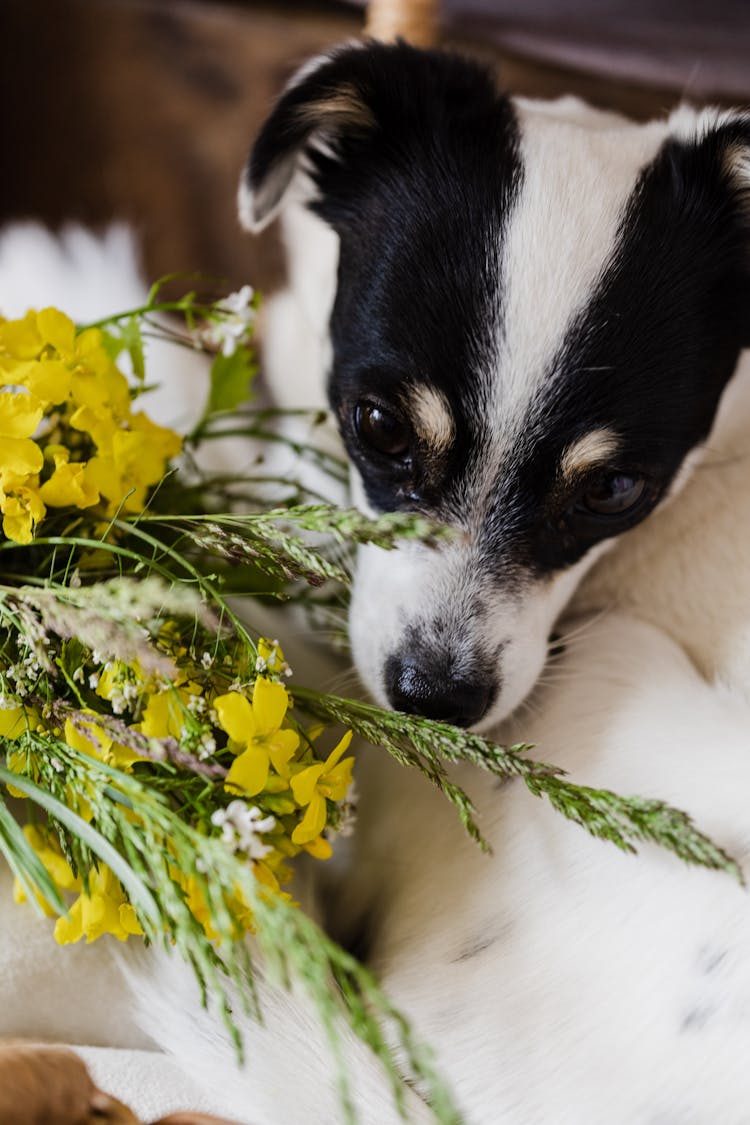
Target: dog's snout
{"type": "Point", "coordinates": [419, 690]}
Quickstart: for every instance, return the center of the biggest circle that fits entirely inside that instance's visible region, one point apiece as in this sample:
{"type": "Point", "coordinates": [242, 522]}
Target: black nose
{"type": "Point", "coordinates": [418, 690]}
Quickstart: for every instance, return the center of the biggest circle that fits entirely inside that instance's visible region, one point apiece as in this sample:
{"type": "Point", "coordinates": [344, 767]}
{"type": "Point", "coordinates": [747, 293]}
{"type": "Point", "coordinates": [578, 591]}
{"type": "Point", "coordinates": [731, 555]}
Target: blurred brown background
{"type": "Point", "coordinates": [145, 109]}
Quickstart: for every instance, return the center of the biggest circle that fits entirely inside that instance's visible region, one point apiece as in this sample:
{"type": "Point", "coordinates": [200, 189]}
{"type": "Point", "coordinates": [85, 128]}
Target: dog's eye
{"type": "Point", "coordinates": [381, 430]}
{"type": "Point", "coordinates": [612, 494]}
{"type": "Point", "coordinates": [608, 504]}
{"type": "Point", "coordinates": [608, 497]}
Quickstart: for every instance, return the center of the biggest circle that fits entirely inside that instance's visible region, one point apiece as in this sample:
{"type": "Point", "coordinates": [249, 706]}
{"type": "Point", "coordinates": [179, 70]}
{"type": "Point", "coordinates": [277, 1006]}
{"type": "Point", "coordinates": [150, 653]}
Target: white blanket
{"type": "Point", "coordinates": [149, 1082]}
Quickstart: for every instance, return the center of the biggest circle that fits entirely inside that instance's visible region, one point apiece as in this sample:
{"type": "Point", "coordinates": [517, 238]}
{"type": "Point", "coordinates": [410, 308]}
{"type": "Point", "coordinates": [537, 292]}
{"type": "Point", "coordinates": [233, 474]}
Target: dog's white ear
{"type": "Point", "coordinates": [325, 101]}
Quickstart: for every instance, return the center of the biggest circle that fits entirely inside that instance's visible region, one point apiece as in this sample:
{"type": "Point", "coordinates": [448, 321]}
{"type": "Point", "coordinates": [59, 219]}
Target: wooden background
{"type": "Point", "coordinates": [145, 109]}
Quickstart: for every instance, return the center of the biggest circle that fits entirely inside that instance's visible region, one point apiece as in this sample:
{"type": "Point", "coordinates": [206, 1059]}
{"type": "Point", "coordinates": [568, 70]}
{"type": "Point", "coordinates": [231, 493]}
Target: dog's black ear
{"type": "Point", "coordinates": [326, 101]}
{"type": "Point", "coordinates": [702, 177]}
{"type": "Point", "coordinates": [735, 136]}
{"type": "Point", "coordinates": [356, 113]}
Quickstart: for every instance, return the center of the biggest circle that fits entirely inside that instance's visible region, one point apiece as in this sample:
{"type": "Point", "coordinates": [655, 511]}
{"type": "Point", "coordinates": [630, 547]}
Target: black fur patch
{"type": "Point", "coordinates": [419, 201]}
{"type": "Point", "coordinates": [652, 353]}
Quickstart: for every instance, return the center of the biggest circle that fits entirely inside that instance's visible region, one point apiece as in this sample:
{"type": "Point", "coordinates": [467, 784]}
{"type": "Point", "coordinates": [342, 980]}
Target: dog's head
{"type": "Point", "coordinates": [536, 312]}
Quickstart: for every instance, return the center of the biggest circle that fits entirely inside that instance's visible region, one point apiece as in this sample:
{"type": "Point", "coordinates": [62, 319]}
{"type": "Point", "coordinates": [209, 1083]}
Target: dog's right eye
{"type": "Point", "coordinates": [382, 430]}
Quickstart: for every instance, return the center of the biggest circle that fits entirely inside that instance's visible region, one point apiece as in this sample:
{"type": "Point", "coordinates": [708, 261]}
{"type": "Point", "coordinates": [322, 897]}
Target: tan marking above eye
{"type": "Point", "coordinates": [432, 417]}
{"type": "Point", "coordinates": [592, 449]}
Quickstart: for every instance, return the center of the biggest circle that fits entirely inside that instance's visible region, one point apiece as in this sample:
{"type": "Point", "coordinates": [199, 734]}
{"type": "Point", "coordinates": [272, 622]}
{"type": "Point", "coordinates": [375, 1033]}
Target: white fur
{"type": "Point", "coordinates": [559, 237]}
{"type": "Point", "coordinates": [421, 585]}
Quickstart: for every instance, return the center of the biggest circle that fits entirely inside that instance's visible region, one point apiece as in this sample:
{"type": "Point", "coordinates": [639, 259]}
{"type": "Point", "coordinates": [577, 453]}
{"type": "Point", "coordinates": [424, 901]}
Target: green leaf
{"type": "Point", "coordinates": [112, 343]}
{"type": "Point", "coordinates": [231, 376]}
{"type": "Point", "coordinates": [132, 339]}
{"type": "Point", "coordinates": [25, 863]}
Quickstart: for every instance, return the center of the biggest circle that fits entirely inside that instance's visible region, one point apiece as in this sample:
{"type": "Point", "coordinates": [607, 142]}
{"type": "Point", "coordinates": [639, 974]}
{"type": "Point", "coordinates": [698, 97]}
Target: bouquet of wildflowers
{"type": "Point", "coordinates": [159, 769]}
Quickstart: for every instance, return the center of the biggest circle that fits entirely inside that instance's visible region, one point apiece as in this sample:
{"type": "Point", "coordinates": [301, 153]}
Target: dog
{"type": "Point", "coordinates": [528, 320]}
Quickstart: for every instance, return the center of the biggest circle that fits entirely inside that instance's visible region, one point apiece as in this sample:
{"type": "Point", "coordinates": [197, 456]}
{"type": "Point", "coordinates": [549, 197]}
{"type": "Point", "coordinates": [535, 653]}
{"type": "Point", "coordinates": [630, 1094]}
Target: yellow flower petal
{"type": "Point", "coordinates": [236, 716]}
{"type": "Point", "coordinates": [270, 705]}
{"type": "Point", "coordinates": [100, 387]}
{"type": "Point", "coordinates": [265, 875]}
{"type": "Point", "coordinates": [55, 863]}
{"type": "Point", "coordinates": [281, 747]}
{"type": "Point", "coordinates": [164, 716]}
{"type": "Point", "coordinates": [99, 423]}
{"type": "Point", "coordinates": [22, 509]}
{"type": "Point", "coordinates": [20, 339]}
{"type": "Point", "coordinates": [129, 920]}
{"type": "Point", "coordinates": [335, 782]}
{"type": "Point", "coordinates": [16, 761]}
{"type": "Point", "coordinates": [104, 476]}
{"type": "Point", "coordinates": [304, 783]}
{"type": "Point", "coordinates": [248, 772]}
{"type": "Point", "coordinates": [69, 486]}
{"type": "Point", "coordinates": [340, 748]}
{"type": "Point", "coordinates": [96, 745]}
{"type": "Point", "coordinates": [159, 445]}
{"type": "Point", "coordinates": [12, 723]}
{"type": "Point", "coordinates": [68, 930]}
{"type": "Point", "coordinates": [312, 823]}
{"type": "Point", "coordinates": [20, 414]}
{"type": "Point", "coordinates": [319, 848]}
{"type": "Point", "coordinates": [20, 456]}
{"type": "Point", "coordinates": [57, 329]}
{"type": "Point", "coordinates": [47, 379]}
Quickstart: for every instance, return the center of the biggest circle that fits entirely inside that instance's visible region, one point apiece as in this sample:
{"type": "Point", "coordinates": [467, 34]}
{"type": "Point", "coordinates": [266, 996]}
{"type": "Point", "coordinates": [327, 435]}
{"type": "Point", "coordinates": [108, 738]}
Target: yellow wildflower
{"type": "Point", "coordinates": [104, 910]}
{"type": "Point", "coordinates": [48, 380]}
{"type": "Point", "coordinates": [97, 382]}
{"type": "Point", "coordinates": [98, 744]}
{"type": "Point", "coordinates": [166, 711]}
{"type": "Point", "coordinates": [21, 505]}
{"type": "Point", "coordinates": [271, 659]}
{"type": "Point", "coordinates": [12, 722]}
{"type": "Point", "coordinates": [319, 848]}
{"type": "Point", "coordinates": [195, 900]}
{"type": "Point", "coordinates": [311, 787]}
{"type": "Point", "coordinates": [128, 461]}
{"type": "Point", "coordinates": [20, 414]}
{"type": "Point", "coordinates": [256, 730]}
{"type": "Point", "coordinates": [69, 485]}
{"type": "Point", "coordinates": [19, 339]}
{"type": "Point", "coordinates": [58, 330]}
{"type": "Point", "coordinates": [56, 865]}
{"type": "Point", "coordinates": [45, 364]}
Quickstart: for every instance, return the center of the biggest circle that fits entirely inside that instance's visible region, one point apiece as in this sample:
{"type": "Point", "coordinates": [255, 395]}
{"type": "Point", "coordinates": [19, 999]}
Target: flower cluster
{"type": "Point", "coordinates": [272, 797]}
{"type": "Point", "coordinates": [101, 908]}
{"type": "Point", "coordinates": [233, 321]}
{"type": "Point", "coordinates": [68, 434]}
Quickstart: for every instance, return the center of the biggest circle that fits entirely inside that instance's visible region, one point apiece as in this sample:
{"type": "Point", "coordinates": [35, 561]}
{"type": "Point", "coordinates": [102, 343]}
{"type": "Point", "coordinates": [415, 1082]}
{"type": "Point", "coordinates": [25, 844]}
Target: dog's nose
{"type": "Point", "coordinates": [418, 691]}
